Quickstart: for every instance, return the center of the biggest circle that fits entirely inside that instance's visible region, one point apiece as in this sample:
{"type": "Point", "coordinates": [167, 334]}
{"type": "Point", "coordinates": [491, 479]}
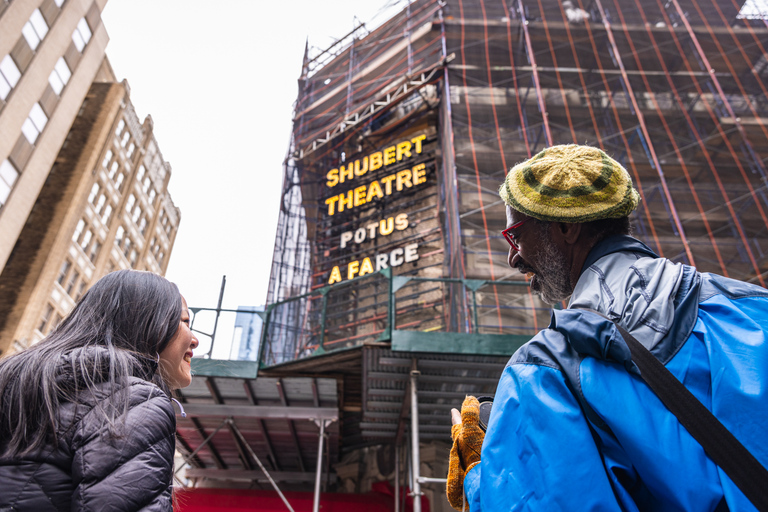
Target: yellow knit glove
{"type": "Point", "coordinates": [467, 443]}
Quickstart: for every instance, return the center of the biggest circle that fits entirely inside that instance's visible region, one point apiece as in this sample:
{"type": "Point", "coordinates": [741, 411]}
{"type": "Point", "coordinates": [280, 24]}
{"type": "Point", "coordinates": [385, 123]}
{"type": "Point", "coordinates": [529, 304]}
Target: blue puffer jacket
{"type": "Point", "coordinates": [572, 429]}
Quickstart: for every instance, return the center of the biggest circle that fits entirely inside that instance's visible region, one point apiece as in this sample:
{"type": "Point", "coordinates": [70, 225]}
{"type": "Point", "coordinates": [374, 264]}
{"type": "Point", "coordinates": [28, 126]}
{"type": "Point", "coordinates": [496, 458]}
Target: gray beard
{"type": "Point", "coordinates": [553, 281]}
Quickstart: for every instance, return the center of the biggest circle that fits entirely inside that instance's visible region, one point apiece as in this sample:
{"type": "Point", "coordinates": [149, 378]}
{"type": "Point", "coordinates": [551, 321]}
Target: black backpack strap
{"type": "Point", "coordinates": [720, 445]}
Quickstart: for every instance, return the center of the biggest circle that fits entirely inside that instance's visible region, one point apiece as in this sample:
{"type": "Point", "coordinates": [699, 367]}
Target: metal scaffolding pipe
{"type": "Point", "coordinates": [319, 470]}
{"type": "Point", "coordinates": [397, 478]}
{"type": "Point", "coordinates": [415, 441]}
{"type": "Point", "coordinates": [258, 461]}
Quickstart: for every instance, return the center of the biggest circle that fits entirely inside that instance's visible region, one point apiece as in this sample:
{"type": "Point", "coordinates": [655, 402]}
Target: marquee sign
{"type": "Point", "coordinates": [364, 181]}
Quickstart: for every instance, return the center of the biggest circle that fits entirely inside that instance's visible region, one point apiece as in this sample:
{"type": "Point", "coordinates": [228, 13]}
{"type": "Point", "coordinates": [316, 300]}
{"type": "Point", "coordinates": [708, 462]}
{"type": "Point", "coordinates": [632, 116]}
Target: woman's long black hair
{"type": "Point", "coordinates": [122, 323]}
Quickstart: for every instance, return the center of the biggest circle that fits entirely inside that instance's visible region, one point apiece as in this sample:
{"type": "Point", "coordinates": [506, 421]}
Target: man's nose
{"type": "Point", "coordinates": [512, 257]}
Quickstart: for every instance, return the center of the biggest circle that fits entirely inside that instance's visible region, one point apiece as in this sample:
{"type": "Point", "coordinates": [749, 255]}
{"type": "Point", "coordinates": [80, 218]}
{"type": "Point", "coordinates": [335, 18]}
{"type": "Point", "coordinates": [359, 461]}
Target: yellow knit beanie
{"type": "Point", "coordinates": [570, 183]}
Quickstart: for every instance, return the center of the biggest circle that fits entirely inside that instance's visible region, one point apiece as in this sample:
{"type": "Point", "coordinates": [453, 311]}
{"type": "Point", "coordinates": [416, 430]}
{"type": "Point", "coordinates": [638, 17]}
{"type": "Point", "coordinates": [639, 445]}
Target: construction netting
{"type": "Point", "coordinates": [672, 89]}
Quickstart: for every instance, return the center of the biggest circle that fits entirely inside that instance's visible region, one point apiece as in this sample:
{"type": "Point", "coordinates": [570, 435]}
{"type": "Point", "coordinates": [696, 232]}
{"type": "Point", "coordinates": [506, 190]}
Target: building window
{"type": "Point", "coordinates": [64, 271]}
{"type": "Point", "coordinates": [126, 138]}
{"type": "Point", "coordinates": [56, 321]}
{"type": "Point", "coordinates": [113, 170]}
{"type": "Point", "coordinates": [59, 76]}
{"type": "Point", "coordinates": [80, 290]}
{"type": "Point", "coordinates": [72, 282]}
{"type": "Point", "coordinates": [106, 217]}
{"type": "Point", "coordinates": [81, 35]}
{"type": "Point", "coordinates": [8, 175]}
{"type": "Point", "coordinates": [130, 203]}
{"type": "Point", "coordinates": [35, 29]}
{"type": "Point", "coordinates": [100, 204]}
{"type": "Point", "coordinates": [46, 316]}
{"type": "Point", "coordinates": [137, 214]}
{"type": "Point", "coordinates": [107, 159]}
{"type": "Point", "coordinates": [94, 192]}
{"type": "Point", "coordinates": [94, 253]}
{"type": "Point", "coordinates": [85, 240]}
{"type": "Point", "coordinates": [119, 236]}
{"type": "Point", "coordinates": [119, 181]}
{"type": "Point", "coordinates": [78, 231]}
{"type": "Point", "coordinates": [143, 226]}
{"type": "Point", "coordinates": [34, 124]}
{"type": "Point", "coordinates": [58, 3]}
{"type": "Point", "coordinates": [9, 76]}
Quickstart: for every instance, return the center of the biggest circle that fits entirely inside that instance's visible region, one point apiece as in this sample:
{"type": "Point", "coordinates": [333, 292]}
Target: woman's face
{"type": "Point", "coordinates": [175, 360]}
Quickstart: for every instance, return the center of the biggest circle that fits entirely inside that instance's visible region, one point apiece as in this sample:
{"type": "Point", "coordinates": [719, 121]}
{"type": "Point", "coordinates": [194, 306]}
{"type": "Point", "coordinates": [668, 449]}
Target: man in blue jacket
{"type": "Point", "coordinates": [573, 427]}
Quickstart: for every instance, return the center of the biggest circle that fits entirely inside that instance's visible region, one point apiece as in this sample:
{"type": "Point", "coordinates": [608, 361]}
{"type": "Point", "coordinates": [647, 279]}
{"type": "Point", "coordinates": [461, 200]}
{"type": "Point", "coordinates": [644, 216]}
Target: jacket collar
{"type": "Point", "coordinates": [616, 243]}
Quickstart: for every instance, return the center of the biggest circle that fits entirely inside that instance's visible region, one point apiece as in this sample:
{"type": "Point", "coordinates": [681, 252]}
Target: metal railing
{"type": "Point", "coordinates": [372, 308]}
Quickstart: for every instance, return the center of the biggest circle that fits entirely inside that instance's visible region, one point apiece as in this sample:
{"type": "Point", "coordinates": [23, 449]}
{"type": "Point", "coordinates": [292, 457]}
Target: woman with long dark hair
{"type": "Point", "coordinates": [86, 420]}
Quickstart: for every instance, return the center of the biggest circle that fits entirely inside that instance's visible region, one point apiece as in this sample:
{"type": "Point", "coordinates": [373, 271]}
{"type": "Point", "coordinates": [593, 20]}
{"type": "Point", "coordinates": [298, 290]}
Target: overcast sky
{"type": "Point", "coordinates": [219, 80]}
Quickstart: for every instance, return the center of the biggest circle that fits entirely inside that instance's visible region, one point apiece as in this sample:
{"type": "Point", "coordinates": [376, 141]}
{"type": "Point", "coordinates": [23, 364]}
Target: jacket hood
{"type": "Point", "coordinates": [626, 281]}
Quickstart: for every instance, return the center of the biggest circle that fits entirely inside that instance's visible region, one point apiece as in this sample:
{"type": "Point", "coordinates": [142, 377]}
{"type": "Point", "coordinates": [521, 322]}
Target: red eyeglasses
{"type": "Point", "coordinates": [509, 237]}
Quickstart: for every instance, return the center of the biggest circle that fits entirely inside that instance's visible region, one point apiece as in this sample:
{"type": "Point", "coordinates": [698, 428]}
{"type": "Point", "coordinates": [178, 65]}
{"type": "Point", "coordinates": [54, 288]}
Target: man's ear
{"type": "Point", "coordinates": [569, 231]}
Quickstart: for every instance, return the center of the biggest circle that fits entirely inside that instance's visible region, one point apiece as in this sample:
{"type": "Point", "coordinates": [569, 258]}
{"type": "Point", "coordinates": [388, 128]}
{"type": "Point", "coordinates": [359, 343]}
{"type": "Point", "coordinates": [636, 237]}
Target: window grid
{"type": "Point", "coordinates": [9, 76]}
{"type": "Point", "coordinates": [64, 271]}
{"type": "Point", "coordinates": [59, 76]}
{"type": "Point", "coordinates": [82, 35]}
{"type": "Point", "coordinates": [35, 29]}
{"type": "Point", "coordinates": [45, 318]}
{"type": "Point", "coordinates": [34, 124]}
{"type": "Point", "coordinates": [8, 176]}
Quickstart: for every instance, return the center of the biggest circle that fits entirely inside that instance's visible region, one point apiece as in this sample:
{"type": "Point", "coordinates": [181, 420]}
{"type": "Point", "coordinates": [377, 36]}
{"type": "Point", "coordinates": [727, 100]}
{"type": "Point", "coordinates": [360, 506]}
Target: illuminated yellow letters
{"type": "Point", "coordinates": [366, 267]}
{"type": "Point", "coordinates": [399, 151]}
{"type": "Point", "coordinates": [374, 189]}
{"type": "Point", "coordinates": [358, 170]}
{"type": "Point", "coordinates": [333, 177]}
{"type": "Point", "coordinates": [403, 150]}
{"type": "Point", "coordinates": [331, 201]}
{"type": "Point", "coordinates": [401, 221]}
{"type": "Point", "coordinates": [346, 173]}
{"type": "Point", "coordinates": [345, 200]}
{"type": "Point", "coordinates": [419, 174]}
{"type": "Point", "coordinates": [417, 142]}
{"type": "Point", "coordinates": [360, 195]}
{"type": "Point", "coordinates": [386, 226]}
{"type": "Point", "coordinates": [387, 181]}
{"type": "Point", "coordinates": [376, 161]}
{"type": "Point", "coordinates": [352, 269]}
{"type": "Point", "coordinates": [335, 276]}
{"type": "Point", "coordinates": [403, 178]}
{"type": "Point", "coordinates": [389, 155]}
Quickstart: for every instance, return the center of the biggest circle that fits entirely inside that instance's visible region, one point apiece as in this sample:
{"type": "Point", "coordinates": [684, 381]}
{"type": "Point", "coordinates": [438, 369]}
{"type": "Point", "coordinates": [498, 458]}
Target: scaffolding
{"type": "Point", "coordinates": [674, 90]}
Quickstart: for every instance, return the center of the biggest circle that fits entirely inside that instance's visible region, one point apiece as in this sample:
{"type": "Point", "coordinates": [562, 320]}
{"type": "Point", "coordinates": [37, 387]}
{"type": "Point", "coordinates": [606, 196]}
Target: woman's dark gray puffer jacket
{"type": "Point", "coordinates": [88, 470]}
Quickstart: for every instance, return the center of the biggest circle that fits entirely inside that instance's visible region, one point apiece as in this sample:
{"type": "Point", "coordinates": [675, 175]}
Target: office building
{"type": "Point", "coordinates": [84, 184]}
